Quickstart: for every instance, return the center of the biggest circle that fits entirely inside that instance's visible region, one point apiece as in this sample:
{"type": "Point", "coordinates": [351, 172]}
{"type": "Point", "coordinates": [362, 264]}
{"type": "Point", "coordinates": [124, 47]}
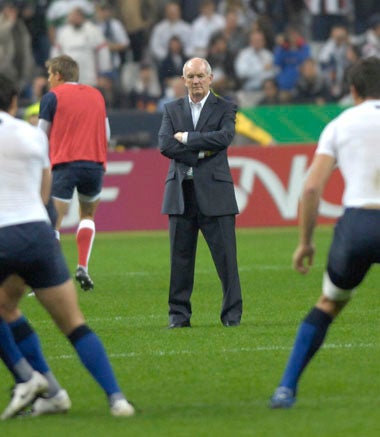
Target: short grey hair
{"type": "Point", "coordinates": [205, 62]}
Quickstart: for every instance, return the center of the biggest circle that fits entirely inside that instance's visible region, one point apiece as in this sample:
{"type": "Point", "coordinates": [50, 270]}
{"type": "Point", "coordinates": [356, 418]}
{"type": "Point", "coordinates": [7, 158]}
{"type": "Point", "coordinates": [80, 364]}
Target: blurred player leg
{"type": "Point", "coordinates": [62, 304]}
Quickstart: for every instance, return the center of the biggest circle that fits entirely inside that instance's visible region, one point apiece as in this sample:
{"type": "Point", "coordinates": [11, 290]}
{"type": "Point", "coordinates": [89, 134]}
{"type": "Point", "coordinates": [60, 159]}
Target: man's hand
{"type": "Point", "coordinates": [301, 255]}
{"type": "Point", "coordinates": [178, 136]}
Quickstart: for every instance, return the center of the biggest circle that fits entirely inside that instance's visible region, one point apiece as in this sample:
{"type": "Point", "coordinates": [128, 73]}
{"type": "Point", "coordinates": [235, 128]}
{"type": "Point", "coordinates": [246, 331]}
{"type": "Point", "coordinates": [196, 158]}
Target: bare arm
{"type": "Point", "coordinates": [319, 173]}
{"type": "Point", "coordinates": [46, 185]}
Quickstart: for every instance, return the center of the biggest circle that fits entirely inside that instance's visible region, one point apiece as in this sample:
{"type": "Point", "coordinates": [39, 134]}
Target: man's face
{"type": "Point", "coordinates": [54, 79]}
{"type": "Point", "coordinates": [197, 80]}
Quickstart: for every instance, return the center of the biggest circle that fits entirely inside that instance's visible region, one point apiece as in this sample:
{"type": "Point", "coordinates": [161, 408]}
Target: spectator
{"type": "Point", "coordinates": [58, 11]}
{"type": "Point", "coordinates": [311, 86]}
{"type": "Point", "coordinates": [37, 88]}
{"type": "Point", "coordinates": [224, 81]}
{"type": "Point", "coordinates": [84, 42]}
{"type": "Point", "coordinates": [236, 35]}
{"type": "Point", "coordinates": [175, 89]}
{"type": "Point", "coordinates": [207, 23]}
{"type": "Point", "coordinates": [284, 12]}
{"type": "Point", "coordinates": [243, 10]}
{"type": "Point", "coordinates": [333, 60]}
{"type": "Point", "coordinates": [325, 14]}
{"type": "Point", "coordinates": [146, 91]}
{"type": "Point", "coordinates": [15, 47]}
{"type": "Point", "coordinates": [371, 45]}
{"type": "Point", "coordinates": [34, 16]}
{"type": "Point", "coordinates": [115, 34]}
{"type": "Point", "coordinates": [290, 52]}
{"type": "Point", "coordinates": [113, 94]}
{"type": "Point", "coordinates": [137, 22]}
{"type": "Point", "coordinates": [163, 31]}
{"type": "Point", "coordinates": [254, 63]}
{"type": "Point", "coordinates": [353, 54]}
{"type": "Point", "coordinates": [190, 9]}
{"type": "Point", "coordinates": [363, 11]}
{"type": "Point", "coordinates": [271, 93]}
{"type": "Point", "coordinates": [171, 66]}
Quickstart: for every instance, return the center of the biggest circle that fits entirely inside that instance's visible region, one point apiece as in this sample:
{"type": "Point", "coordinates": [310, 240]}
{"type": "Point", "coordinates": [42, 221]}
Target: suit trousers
{"type": "Point", "coordinates": [219, 233]}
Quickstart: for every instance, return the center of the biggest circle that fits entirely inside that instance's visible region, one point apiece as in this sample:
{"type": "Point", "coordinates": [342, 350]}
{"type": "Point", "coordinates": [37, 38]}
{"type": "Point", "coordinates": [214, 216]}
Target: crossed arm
{"type": "Point", "coordinates": [188, 147]}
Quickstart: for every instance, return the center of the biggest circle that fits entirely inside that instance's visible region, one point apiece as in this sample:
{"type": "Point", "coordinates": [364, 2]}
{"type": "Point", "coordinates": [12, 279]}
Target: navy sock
{"type": "Point", "coordinates": [29, 344]}
{"type": "Point", "coordinates": [12, 356]}
{"type": "Point", "coordinates": [10, 353]}
{"type": "Point", "coordinates": [310, 337]}
{"type": "Point", "coordinates": [93, 355]}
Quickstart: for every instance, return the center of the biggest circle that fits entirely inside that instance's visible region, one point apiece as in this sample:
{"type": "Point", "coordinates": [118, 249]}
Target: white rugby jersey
{"type": "Point", "coordinates": [23, 156]}
{"type": "Point", "coordinates": [353, 138]}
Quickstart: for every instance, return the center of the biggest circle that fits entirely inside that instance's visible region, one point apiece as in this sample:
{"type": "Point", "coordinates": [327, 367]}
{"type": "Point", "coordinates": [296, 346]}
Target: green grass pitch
{"type": "Point", "coordinates": [210, 380]}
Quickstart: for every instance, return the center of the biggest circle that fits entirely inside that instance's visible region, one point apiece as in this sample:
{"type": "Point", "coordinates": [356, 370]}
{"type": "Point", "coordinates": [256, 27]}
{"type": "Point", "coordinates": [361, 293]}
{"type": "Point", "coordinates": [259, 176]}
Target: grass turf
{"type": "Point", "coordinates": [210, 380]}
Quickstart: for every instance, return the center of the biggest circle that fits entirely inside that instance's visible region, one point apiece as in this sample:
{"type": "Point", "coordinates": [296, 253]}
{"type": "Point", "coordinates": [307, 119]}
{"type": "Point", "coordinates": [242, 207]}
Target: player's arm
{"type": "Point", "coordinates": [46, 185]}
{"type": "Point", "coordinates": [46, 179]}
{"type": "Point", "coordinates": [48, 107]}
{"type": "Point", "coordinates": [108, 130]}
{"type": "Point", "coordinates": [44, 125]}
{"type": "Point", "coordinates": [319, 173]}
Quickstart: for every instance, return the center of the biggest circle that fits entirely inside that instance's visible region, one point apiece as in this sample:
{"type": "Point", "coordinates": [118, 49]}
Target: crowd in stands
{"type": "Point", "coordinates": [261, 51]}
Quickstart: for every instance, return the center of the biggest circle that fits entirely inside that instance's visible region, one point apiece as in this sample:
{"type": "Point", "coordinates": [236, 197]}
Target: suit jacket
{"type": "Point", "coordinates": [214, 132]}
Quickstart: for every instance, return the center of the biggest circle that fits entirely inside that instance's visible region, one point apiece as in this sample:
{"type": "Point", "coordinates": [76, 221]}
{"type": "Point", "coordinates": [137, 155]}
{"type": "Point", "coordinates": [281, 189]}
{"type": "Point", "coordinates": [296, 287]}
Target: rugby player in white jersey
{"type": "Point", "coordinates": [30, 253]}
{"type": "Point", "coordinates": [352, 142]}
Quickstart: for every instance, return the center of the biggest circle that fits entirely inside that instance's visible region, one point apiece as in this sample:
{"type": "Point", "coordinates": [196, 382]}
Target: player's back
{"type": "Point", "coordinates": [23, 155]}
{"type": "Point", "coordinates": [78, 129]}
{"type": "Point", "coordinates": [357, 134]}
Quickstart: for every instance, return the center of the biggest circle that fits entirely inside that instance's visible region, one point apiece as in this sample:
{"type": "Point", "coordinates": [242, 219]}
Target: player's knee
{"type": "Point", "coordinates": [79, 332]}
{"type": "Point", "coordinates": [334, 293]}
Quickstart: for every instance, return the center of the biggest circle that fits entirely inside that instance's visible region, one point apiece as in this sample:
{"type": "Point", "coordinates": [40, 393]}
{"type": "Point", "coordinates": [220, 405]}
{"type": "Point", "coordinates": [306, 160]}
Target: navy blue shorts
{"type": "Point", "coordinates": [31, 251]}
{"type": "Point", "coordinates": [355, 247]}
{"type": "Point", "coordinates": [85, 176]}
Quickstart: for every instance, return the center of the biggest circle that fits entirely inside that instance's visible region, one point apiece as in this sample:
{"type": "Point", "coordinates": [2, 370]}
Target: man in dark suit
{"type": "Point", "coordinates": [199, 192]}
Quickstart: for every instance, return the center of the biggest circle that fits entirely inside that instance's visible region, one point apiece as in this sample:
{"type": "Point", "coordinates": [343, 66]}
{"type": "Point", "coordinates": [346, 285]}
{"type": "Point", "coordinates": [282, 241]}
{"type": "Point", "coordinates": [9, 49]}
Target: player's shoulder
{"type": "Point", "coordinates": [48, 97]}
{"type": "Point", "coordinates": [33, 131]}
{"type": "Point", "coordinates": [18, 123]}
{"type": "Point", "coordinates": [25, 132]}
{"type": "Point", "coordinates": [351, 114]}
{"type": "Point", "coordinates": [89, 90]}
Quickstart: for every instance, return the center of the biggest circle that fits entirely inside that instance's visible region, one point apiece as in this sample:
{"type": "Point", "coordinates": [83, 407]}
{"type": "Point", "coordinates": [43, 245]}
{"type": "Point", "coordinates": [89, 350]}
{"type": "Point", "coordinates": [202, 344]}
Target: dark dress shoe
{"type": "Point", "coordinates": [185, 324]}
{"type": "Point", "coordinates": [230, 323]}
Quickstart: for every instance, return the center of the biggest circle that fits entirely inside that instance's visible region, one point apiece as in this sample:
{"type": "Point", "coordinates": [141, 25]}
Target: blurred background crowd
{"type": "Point", "coordinates": [261, 51]}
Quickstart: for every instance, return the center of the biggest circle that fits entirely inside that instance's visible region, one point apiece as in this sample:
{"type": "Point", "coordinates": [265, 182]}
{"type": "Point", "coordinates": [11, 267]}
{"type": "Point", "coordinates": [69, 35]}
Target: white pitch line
{"type": "Point", "coordinates": [243, 268]}
{"type": "Point", "coordinates": [169, 353]}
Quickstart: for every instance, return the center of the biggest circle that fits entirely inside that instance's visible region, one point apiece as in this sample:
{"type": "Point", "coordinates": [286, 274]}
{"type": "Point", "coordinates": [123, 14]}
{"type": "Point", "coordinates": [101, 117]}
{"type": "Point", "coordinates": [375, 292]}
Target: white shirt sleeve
{"type": "Point", "coordinates": [184, 137]}
{"type": "Point", "coordinates": [44, 125]}
{"type": "Point", "coordinates": [108, 130]}
{"type": "Point", "coordinates": [45, 146]}
{"type": "Point", "coordinates": [327, 140]}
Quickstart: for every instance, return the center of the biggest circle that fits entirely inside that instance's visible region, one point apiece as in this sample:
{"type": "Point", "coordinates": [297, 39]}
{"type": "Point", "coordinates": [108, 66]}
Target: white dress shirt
{"type": "Point", "coordinates": [196, 109]}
